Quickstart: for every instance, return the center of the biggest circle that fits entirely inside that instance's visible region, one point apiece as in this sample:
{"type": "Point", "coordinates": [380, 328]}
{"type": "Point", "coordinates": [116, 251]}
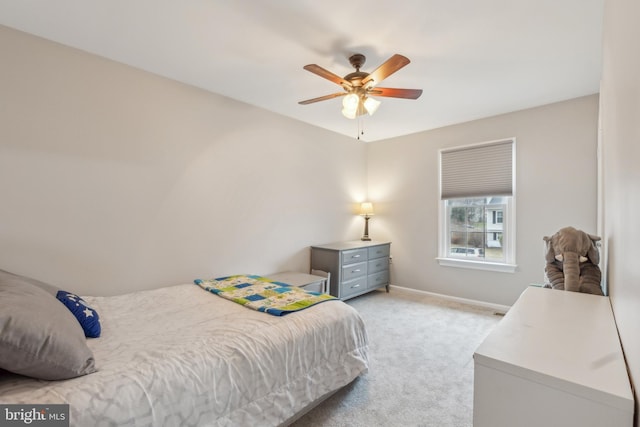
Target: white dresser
{"type": "Point", "coordinates": [356, 267]}
{"type": "Point", "coordinates": [554, 360]}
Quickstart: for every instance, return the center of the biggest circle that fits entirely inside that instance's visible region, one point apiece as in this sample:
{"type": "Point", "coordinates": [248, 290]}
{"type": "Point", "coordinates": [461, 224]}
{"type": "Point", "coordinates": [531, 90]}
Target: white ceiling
{"type": "Point", "coordinates": [472, 58]}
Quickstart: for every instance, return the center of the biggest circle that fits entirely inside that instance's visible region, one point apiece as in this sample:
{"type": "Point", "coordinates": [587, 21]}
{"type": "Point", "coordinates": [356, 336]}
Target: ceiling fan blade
{"type": "Point", "coordinates": [316, 69]}
{"type": "Point", "coordinates": [389, 67]}
{"type": "Point", "coordinates": [395, 93]}
{"type": "Point", "coordinates": [322, 98]}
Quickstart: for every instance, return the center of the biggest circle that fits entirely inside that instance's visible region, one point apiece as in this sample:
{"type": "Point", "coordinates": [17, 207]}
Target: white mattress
{"type": "Point", "coordinates": [181, 356]}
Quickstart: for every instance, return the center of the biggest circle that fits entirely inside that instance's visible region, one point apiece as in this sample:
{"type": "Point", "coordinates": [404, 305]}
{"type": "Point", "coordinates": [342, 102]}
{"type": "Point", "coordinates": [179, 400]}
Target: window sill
{"type": "Point", "coordinates": [477, 265]}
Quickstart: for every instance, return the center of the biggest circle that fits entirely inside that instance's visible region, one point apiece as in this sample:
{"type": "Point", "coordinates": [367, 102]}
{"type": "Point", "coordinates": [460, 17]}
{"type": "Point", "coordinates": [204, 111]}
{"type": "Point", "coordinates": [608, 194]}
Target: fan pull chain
{"type": "Point", "coordinates": [360, 130]}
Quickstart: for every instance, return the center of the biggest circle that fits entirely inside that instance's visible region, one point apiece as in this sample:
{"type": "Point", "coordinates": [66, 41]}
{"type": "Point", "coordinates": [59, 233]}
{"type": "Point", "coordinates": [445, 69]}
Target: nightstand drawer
{"type": "Point", "coordinates": [356, 255]}
{"type": "Point", "coordinates": [354, 270]}
{"type": "Point", "coordinates": [379, 251]}
{"type": "Point", "coordinates": [353, 287]}
{"type": "Point", "coordinates": [378, 279]}
{"type": "Point", "coordinates": [376, 265]}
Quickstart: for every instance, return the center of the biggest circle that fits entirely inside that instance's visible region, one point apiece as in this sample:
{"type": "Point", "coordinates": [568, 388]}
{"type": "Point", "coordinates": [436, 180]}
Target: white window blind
{"type": "Point", "coordinates": [477, 170]}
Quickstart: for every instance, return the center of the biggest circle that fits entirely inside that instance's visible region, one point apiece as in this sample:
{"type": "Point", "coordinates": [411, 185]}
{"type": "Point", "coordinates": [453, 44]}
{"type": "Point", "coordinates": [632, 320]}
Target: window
{"type": "Point", "coordinates": [477, 206]}
{"type": "Point", "coordinates": [497, 216]}
{"type": "Point", "coordinates": [473, 231]}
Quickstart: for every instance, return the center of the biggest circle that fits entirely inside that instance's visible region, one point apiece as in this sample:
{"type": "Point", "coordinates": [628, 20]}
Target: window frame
{"type": "Point", "coordinates": [508, 222]}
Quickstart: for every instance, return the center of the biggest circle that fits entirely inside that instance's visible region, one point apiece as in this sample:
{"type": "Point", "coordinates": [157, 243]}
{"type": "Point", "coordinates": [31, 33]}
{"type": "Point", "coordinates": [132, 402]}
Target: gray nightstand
{"type": "Point", "coordinates": [356, 267]}
{"type": "Point", "coordinates": [308, 282]}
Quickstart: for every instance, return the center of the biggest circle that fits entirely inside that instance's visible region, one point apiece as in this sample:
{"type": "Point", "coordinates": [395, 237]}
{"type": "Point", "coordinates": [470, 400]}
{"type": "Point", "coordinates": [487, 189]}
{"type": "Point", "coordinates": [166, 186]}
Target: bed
{"type": "Point", "coordinates": [181, 356]}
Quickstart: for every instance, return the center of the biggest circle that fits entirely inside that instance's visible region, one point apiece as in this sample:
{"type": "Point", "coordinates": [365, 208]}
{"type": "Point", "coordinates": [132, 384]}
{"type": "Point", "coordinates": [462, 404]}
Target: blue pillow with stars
{"type": "Point", "coordinates": [87, 316]}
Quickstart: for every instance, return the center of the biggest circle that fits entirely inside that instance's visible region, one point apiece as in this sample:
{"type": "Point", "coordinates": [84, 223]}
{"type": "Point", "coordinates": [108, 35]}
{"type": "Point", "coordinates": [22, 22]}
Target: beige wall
{"type": "Point", "coordinates": [555, 187]}
{"type": "Point", "coordinates": [621, 172]}
{"type": "Point", "coordinates": [113, 179]}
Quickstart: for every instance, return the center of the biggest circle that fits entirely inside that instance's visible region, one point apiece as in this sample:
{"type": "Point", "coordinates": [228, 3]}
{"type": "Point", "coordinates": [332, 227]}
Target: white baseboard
{"type": "Point", "coordinates": [498, 307]}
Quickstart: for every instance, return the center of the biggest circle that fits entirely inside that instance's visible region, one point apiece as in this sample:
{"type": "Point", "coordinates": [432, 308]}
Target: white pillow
{"type": "Point", "coordinates": [39, 337]}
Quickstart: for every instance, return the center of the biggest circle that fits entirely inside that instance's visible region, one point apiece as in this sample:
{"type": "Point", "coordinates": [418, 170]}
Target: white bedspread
{"type": "Point", "coordinates": [180, 356]}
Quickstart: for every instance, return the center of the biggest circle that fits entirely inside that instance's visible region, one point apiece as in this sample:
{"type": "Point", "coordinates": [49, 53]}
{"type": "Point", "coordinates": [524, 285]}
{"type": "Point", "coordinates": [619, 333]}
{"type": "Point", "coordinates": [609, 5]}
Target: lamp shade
{"type": "Point", "coordinates": [350, 101]}
{"type": "Point", "coordinates": [349, 114]}
{"type": "Point", "coordinates": [350, 105]}
{"type": "Point", "coordinates": [371, 105]}
{"type": "Point", "coordinates": [366, 209]}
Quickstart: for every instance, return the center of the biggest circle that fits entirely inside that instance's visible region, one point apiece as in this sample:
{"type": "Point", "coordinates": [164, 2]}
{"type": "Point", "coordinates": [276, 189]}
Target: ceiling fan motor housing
{"type": "Point", "coordinates": [357, 60]}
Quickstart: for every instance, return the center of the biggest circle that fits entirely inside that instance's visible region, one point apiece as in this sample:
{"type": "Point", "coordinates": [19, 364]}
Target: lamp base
{"type": "Point", "coordinates": [366, 237]}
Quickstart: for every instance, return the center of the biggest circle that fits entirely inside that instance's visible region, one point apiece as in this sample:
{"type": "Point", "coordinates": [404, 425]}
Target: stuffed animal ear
{"type": "Point", "coordinates": [593, 253]}
{"type": "Point", "coordinates": [550, 256]}
{"type": "Point", "coordinates": [593, 237]}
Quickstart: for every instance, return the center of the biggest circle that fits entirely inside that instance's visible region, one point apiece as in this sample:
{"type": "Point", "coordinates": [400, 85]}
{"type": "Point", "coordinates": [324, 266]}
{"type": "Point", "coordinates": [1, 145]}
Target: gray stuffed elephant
{"type": "Point", "coordinates": [572, 261]}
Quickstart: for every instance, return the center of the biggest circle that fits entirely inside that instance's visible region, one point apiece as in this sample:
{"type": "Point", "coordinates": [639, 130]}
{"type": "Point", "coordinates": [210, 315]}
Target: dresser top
{"type": "Point", "coordinates": [567, 340]}
{"type": "Point", "coordinates": [354, 244]}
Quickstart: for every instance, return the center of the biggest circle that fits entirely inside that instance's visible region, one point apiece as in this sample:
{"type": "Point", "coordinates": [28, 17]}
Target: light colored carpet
{"type": "Point", "coordinates": [420, 364]}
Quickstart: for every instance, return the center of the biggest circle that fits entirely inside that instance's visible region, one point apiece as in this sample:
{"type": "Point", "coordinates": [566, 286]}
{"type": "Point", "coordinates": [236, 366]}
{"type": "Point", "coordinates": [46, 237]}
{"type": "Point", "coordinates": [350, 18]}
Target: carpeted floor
{"type": "Point", "coordinates": [420, 364]}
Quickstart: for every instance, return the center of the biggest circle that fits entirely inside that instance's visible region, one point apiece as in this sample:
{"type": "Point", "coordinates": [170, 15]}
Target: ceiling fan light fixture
{"type": "Point", "coordinates": [351, 102]}
{"type": "Point", "coordinates": [371, 105]}
{"type": "Point", "coordinates": [349, 114]}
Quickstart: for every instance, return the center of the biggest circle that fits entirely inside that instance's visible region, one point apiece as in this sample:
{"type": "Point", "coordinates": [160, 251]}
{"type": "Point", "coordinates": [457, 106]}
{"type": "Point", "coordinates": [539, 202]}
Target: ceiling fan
{"type": "Point", "coordinates": [359, 87]}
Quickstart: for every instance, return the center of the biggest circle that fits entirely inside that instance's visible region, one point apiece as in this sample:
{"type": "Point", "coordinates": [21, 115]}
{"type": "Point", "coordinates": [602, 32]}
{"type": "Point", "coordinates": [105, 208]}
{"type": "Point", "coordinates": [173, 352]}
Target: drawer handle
{"type": "Point", "coordinates": [355, 271]}
{"type": "Point", "coordinates": [355, 286]}
{"type": "Point", "coordinates": [355, 256]}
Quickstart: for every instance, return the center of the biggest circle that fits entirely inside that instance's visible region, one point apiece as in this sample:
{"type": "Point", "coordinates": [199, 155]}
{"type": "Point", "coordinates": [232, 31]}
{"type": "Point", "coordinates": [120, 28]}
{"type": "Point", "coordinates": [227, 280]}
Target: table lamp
{"type": "Point", "coordinates": [366, 210]}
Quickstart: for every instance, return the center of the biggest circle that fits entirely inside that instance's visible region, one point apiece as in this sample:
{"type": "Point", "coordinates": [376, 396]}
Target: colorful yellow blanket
{"type": "Point", "coordinates": [263, 294]}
